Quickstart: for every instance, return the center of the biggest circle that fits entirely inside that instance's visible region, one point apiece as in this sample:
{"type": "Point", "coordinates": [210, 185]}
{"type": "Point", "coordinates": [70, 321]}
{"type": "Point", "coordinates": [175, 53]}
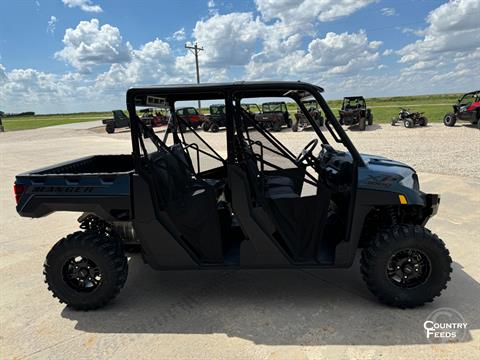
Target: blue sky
{"type": "Point", "coordinates": [81, 55]}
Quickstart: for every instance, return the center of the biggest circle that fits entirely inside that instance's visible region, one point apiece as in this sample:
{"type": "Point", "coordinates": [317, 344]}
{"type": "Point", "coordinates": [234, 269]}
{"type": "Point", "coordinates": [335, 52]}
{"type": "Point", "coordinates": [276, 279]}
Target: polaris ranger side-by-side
{"type": "Point", "coordinates": [354, 111]}
{"type": "Point", "coordinates": [255, 205]}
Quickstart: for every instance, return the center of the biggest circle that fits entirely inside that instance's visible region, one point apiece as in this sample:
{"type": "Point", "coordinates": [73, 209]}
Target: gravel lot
{"type": "Point", "coordinates": [244, 314]}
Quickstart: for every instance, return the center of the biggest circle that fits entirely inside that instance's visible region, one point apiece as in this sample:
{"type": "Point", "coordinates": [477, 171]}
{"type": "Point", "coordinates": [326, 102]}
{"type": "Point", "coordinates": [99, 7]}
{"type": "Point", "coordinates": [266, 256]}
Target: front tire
{"type": "Point", "coordinates": [362, 124]}
{"type": "Point", "coordinates": [406, 266]}
{"type": "Point", "coordinates": [86, 270]}
{"type": "Point", "coordinates": [110, 128]}
{"type": "Point", "coordinates": [450, 120]}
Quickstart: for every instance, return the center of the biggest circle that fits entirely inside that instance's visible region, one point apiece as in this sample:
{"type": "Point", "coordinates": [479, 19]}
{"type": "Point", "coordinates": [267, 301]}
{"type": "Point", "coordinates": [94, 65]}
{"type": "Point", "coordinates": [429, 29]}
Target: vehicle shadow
{"type": "Point", "coordinates": [272, 307]}
{"type": "Point", "coordinates": [372, 127]}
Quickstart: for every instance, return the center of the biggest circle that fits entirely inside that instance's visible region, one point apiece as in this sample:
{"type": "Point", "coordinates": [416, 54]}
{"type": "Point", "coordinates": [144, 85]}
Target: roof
{"type": "Point", "coordinates": [212, 90]}
{"type": "Point", "coordinates": [353, 97]}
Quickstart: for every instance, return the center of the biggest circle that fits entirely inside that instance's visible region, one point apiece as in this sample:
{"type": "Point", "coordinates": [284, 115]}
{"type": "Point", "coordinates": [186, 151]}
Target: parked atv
{"type": "Point", "coordinates": [354, 111]}
{"type": "Point", "coordinates": [216, 119]}
{"type": "Point", "coordinates": [301, 122]}
{"type": "Point", "coordinates": [274, 115]}
{"type": "Point", "coordinates": [119, 120]}
{"type": "Point", "coordinates": [410, 119]}
{"type": "Point", "coordinates": [466, 109]}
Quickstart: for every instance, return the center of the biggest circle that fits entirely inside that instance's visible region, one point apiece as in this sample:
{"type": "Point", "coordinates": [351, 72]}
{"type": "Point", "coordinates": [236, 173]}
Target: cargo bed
{"type": "Point", "coordinates": [98, 184]}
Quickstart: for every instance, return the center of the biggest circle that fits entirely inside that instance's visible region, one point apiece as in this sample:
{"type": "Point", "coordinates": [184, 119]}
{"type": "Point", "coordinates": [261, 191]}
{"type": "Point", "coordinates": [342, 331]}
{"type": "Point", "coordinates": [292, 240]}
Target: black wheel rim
{"type": "Point", "coordinates": [82, 274]}
{"type": "Point", "coordinates": [409, 268]}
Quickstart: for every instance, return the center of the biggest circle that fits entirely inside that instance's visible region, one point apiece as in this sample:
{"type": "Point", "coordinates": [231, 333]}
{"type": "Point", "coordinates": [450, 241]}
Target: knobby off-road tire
{"type": "Point", "coordinates": [362, 124]}
{"type": "Point", "coordinates": [423, 121]}
{"type": "Point", "coordinates": [110, 129]}
{"type": "Point", "coordinates": [450, 119]}
{"type": "Point", "coordinates": [206, 126]}
{"type": "Point", "coordinates": [277, 126]}
{"type": "Point", "coordinates": [85, 270]}
{"type": "Point", "coordinates": [370, 119]}
{"type": "Point", "coordinates": [413, 240]}
{"type": "Point", "coordinates": [289, 123]}
{"type": "Point", "coordinates": [408, 123]}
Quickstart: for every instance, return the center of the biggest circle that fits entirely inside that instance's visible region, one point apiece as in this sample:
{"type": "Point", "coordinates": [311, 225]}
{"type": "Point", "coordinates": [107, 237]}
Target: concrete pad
{"type": "Point", "coordinates": [314, 314]}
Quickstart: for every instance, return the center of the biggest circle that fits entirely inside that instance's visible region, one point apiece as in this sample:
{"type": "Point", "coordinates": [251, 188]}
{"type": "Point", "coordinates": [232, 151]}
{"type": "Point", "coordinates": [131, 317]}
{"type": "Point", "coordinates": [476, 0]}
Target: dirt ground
{"type": "Point", "coordinates": [327, 314]}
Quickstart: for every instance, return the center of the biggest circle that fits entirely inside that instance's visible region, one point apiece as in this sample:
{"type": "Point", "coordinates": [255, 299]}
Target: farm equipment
{"type": "Point", "coordinates": [216, 119]}
{"type": "Point", "coordinates": [274, 115]}
{"type": "Point", "coordinates": [301, 122]}
{"type": "Point", "coordinates": [354, 111]}
{"type": "Point", "coordinates": [410, 119]}
{"type": "Point", "coordinates": [119, 120]}
{"type": "Point", "coordinates": [466, 109]}
{"type": "Point", "coordinates": [248, 211]}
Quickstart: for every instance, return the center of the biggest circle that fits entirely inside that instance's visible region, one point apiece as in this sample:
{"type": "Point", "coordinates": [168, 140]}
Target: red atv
{"type": "Point", "coordinates": [467, 109]}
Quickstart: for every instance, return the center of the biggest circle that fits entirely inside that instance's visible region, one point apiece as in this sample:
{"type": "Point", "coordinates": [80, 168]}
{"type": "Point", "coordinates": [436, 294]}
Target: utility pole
{"type": "Point", "coordinates": [195, 49]}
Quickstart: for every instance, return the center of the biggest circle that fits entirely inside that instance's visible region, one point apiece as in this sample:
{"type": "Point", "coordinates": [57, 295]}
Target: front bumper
{"type": "Point", "coordinates": [432, 202]}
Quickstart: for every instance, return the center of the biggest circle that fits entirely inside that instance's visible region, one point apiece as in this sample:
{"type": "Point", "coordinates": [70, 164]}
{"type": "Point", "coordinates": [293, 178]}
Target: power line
{"type": "Point", "coordinates": [195, 49]}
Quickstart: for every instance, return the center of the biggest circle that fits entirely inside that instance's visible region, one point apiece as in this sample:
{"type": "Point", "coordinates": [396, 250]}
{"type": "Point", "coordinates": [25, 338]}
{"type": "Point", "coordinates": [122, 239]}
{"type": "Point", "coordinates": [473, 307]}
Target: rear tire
{"type": "Point", "coordinates": [86, 270]}
{"type": "Point", "coordinates": [423, 121]}
{"type": "Point", "coordinates": [415, 282]}
{"type": "Point", "coordinates": [276, 126]}
{"type": "Point", "coordinates": [370, 118]}
{"type": "Point", "coordinates": [214, 128]}
{"type": "Point", "coordinates": [408, 123]}
{"type": "Point", "coordinates": [206, 126]}
{"type": "Point", "coordinates": [289, 123]}
{"type": "Point", "coordinates": [450, 119]}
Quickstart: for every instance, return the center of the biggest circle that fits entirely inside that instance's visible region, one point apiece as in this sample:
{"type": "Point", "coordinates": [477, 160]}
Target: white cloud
{"type": "Point", "coordinates": [211, 4]}
{"type": "Point", "coordinates": [51, 25]}
{"type": "Point", "coordinates": [333, 55]}
{"type": "Point", "coordinates": [33, 90]}
{"type": "Point", "coordinates": [3, 75]}
{"type": "Point", "coordinates": [387, 52]}
{"type": "Point", "coordinates": [179, 35]}
{"type": "Point", "coordinates": [152, 63]}
{"type": "Point", "coordinates": [453, 31]}
{"type": "Point", "coordinates": [300, 11]}
{"type": "Point", "coordinates": [85, 5]}
{"type": "Point", "coordinates": [88, 45]}
{"type": "Point", "coordinates": [386, 11]}
{"type": "Point", "coordinates": [229, 40]}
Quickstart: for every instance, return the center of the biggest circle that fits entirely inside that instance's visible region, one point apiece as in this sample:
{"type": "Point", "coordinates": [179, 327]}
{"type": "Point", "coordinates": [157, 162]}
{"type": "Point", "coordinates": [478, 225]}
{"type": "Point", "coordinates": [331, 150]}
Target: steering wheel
{"type": "Point", "coordinates": [307, 151]}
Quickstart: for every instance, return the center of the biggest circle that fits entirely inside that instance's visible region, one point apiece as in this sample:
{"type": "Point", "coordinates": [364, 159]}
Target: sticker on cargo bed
{"type": "Point", "coordinates": [62, 189]}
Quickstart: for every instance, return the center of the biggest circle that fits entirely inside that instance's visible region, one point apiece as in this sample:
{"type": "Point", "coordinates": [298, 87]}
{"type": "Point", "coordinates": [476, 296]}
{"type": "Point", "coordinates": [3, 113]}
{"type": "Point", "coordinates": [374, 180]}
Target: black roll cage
{"type": "Point", "coordinates": [232, 92]}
